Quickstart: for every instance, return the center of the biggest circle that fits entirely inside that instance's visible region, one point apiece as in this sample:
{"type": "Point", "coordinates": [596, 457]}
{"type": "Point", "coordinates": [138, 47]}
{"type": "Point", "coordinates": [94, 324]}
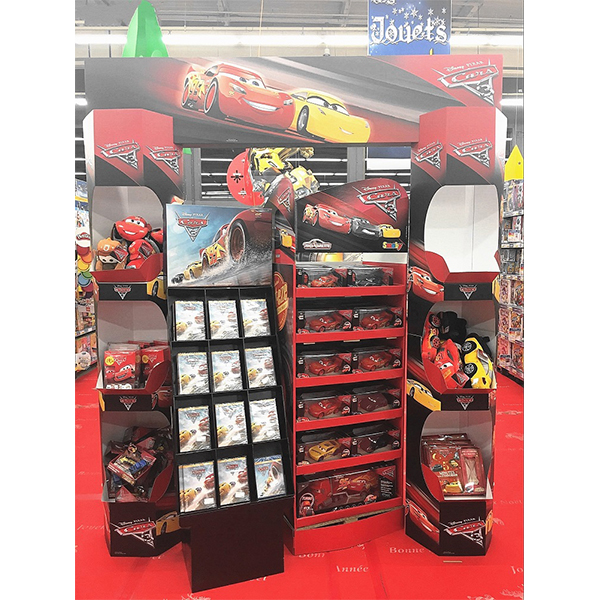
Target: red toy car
{"type": "Point", "coordinates": [326, 323]}
{"type": "Point", "coordinates": [375, 361]}
{"type": "Point", "coordinates": [448, 361]}
{"type": "Point", "coordinates": [377, 320]}
{"type": "Point", "coordinates": [370, 402]}
{"type": "Point", "coordinates": [329, 280]}
{"type": "Point", "coordinates": [325, 407]}
{"type": "Point", "coordinates": [326, 366]}
{"type": "Point", "coordinates": [225, 90]}
{"type": "Point", "coordinates": [327, 218]}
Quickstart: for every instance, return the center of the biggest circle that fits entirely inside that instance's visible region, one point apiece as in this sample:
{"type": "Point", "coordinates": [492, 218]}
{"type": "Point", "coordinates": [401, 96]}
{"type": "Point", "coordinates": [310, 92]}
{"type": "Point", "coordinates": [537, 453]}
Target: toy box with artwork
{"type": "Point", "coordinates": [324, 445]}
{"type": "Point", "coordinates": [152, 356]}
{"type": "Point", "coordinates": [264, 420]}
{"type": "Point", "coordinates": [317, 364]}
{"type": "Point", "coordinates": [226, 371]}
{"type": "Point", "coordinates": [197, 486]}
{"type": "Point", "coordinates": [320, 276]}
{"type": "Point", "coordinates": [323, 320]}
{"type": "Point", "coordinates": [517, 293]}
{"type": "Point", "coordinates": [375, 398]}
{"type": "Point", "coordinates": [377, 317]}
{"type": "Point", "coordinates": [345, 488]}
{"type": "Point", "coordinates": [503, 352]}
{"type": "Point", "coordinates": [192, 372]}
{"type": "Point", "coordinates": [323, 404]}
{"type": "Point", "coordinates": [504, 293]}
{"type": "Point", "coordinates": [374, 437]}
{"type": "Point", "coordinates": [231, 424]}
{"type": "Point", "coordinates": [194, 428]}
{"type": "Point", "coordinates": [364, 276]}
{"type": "Point", "coordinates": [223, 319]}
{"type": "Point", "coordinates": [122, 366]}
{"type": "Point", "coordinates": [233, 481]}
{"type": "Point", "coordinates": [218, 246]}
{"type": "Point", "coordinates": [260, 368]}
{"type": "Point", "coordinates": [255, 317]}
{"type": "Point", "coordinates": [375, 359]}
{"type": "Point", "coordinates": [269, 475]}
{"type": "Point", "coordinates": [189, 320]}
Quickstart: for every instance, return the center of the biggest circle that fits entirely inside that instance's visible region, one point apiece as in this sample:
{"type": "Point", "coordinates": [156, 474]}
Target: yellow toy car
{"type": "Point", "coordinates": [323, 450]}
{"type": "Point", "coordinates": [477, 365]}
{"type": "Point", "coordinates": [326, 117]}
{"type": "Point", "coordinates": [422, 395]}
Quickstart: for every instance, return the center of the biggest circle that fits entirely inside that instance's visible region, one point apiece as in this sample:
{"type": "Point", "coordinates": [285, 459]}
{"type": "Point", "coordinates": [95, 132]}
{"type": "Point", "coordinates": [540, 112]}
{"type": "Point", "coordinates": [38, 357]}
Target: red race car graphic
{"type": "Point", "coordinates": [228, 91]}
{"type": "Point", "coordinates": [423, 286]}
{"type": "Point", "coordinates": [327, 218]}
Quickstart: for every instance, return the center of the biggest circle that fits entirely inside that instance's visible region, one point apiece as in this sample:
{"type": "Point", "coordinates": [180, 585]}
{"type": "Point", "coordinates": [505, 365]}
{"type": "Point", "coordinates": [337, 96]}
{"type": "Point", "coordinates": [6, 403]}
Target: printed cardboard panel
{"type": "Point", "coordinates": [218, 246]}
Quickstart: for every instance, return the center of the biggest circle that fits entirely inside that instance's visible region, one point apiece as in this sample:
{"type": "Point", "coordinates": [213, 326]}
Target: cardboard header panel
{"type": "Point", "coordinates": [346, 100]}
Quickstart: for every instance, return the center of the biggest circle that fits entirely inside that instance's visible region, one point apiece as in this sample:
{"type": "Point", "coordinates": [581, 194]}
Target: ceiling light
{"type": "Point", "coordinates": [475, 39]}
{"type": "Point", "coordinates": [80, 101]}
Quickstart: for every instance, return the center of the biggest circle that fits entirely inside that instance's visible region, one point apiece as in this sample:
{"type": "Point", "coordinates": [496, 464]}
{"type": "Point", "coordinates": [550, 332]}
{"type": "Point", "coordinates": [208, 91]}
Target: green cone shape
{"type": "Point", "coordinates": [144, 37]}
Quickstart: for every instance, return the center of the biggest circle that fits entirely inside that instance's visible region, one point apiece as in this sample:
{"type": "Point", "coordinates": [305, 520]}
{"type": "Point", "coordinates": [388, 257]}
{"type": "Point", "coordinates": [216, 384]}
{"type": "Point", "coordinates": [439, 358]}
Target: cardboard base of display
{"type": "Point", "coordinates": [237, 544]}
{"type": "Point", "coordinates": [345, 534]}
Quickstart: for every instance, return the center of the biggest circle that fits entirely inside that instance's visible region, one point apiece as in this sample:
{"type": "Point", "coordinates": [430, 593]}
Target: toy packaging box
{"type": "Point", "coordinates": [233, 481]}
{"type": "Point", "coordinates": [192, 371]}
{"type": "Point", "coordinates": [223, 319]}
{"type": "Point", "coordinates": [255, 317]}
{"type": "Point", "coordinates": [375, 398]}
{"type": "Point", "coordinates": [323, 320]}
{"type": "Point", "coordinates": [376, 359]}
{"type": "Point", "coordinates": [194, 428]}
{"type": "Point", "coordinates": [218, 246]}
{"type": "Point", "coordinates": [197, 486]}
{"type": "Point", "coordinates": [317, 364]}
{"type": "Point", "coordinates": [226, 371]}
{"type": "Point", "coordinates": [345, 488]}
{"type": "Point", "coordinates": [231, 424]}
{"type": "Point", "coordinates": [132, 464]}
{"type": "Point", "coordinates": [377, 317]}
{"type": "Point", "coordinates": [315, 405]}
{"type": "Point", "coordinates": [320, 276]}
{"type": "Point", "coordinates": [260, 367]}
{"type": "Point", "coordinates": [264, 420]}
{"type": "Point", "coordinates": [324, 445]}
{"type": "Point", "coordinates": [122, 366]}
{"type": "Point", "coordinates": [364, 276]}
{"type": "Point", "coordinates": [269, 475]}
{"type": "Point", "coordinates": [372, 438]}
{"type": "Point", "coordinates": [189, 320]}
{"type": "Point", "coordinates": [151, 356]}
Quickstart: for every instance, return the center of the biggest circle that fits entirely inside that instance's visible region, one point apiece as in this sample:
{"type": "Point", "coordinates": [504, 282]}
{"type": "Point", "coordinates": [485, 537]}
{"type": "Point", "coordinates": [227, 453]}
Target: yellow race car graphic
{"type": "Point", "coordinates": [326, 117]}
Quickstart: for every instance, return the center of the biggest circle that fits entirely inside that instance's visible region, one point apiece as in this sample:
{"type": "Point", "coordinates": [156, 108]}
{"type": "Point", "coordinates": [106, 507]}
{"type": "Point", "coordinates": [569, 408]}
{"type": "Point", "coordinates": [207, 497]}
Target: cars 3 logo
{"type": "Point", "coordinates": [384, 198]}
{"type": "Point", "coordinates": [465, 401]}
{"type": "Point", "coordinates": [477, 149]}
{"type": "Point", "coordinates": [192, 225]}
{"type": "Point", "coordinates": [125, 151]}
{"type": "Point", "coordinates": [430, 154]}
{"type": "Point", "coordinates": [141, 531]}
{"type": "Point", "coordinates": [122, 290]}
{"type": "Point", "coordinates": [475, 78]}
{"type": "Point", "coordinates": [167, 154]}
{"type": "Point", "coordinates": [127, 401]}
{"type": "Point", "coordinates": [468, 290]}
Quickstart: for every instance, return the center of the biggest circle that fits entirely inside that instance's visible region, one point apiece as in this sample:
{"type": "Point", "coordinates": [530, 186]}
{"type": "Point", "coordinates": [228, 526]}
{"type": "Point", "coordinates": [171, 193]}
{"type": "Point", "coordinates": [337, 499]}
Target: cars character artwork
{"type": "Point", "coordinates": [225, 90]}
{"type": "Point", "coordinates": [233, 247]}
{"type": "Point", "coordinates": [423, 286]}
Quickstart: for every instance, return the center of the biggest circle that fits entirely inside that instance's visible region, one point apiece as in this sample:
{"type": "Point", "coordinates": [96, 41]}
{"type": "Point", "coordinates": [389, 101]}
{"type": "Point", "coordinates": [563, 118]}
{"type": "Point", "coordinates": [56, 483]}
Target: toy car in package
{"type": "Point", "coordinates": [375, 359]}
{"type": "Point", "coordinates": [444, 461]}
{"type": "Point", "coordinates": [320, 276]}
{"type": "Point", "coordinates": [255, 317]}
{"type": "Point", "coordinates": [192, 371]}
{"type": "Point", "coordinates": [233, 480]}
{"type": "Point", "coordinates": [226, 371]}
{"type": "Point", "coordinates": [317, 364]}
{"type": "Point", "coordinates": [151, 356]}
{"type": "Point", "coordinates": [377, 397]}
{"type": "Point", "coordinates": [264, 420]}
{"type": "Point", "coordinates": [321, 321]}
{"type": "Point", "coordinates": [189, 320]}
{"type": "Point", "coordinates": [377, 317]}
{"type": "Point", "coordinates": [223, 319]}
{"type": "Point", "coordinates": [231, 424]}
{"type": "Point", "coordinates": [194, 428]}
{"type": "Point", "coordinates": [260, 367]}
{"type": "Point", "coordinates": [197, 486]}
{"type": "Point", "coordinates": [132, 464]}
{"type": "Point", "coordinates": [269, 475]}
{"type": "Point", "coordinates": [315, 405]}
{"type": "Point", "coordinates": [375, 437]}
{"type": "Point", "coordinates": [345, 488]}
{"type": "Point", "coordinates": [324, 445]}
{"type": "Point", "coordinates": [365, 276]}
{"type": "Point", "coordinates": [122, 366]}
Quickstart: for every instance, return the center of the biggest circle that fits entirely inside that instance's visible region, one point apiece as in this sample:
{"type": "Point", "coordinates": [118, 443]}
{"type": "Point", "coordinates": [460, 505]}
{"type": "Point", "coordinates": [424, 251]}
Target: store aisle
{"type": "Point", "coordinates": [392, 567]}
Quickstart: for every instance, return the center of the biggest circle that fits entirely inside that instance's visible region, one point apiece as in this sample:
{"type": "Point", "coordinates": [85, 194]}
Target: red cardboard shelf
{"type": "Point", "coordinates": [395, 413]}
{"type": "Point", "coordinates": [344, 463]}
{"type": "Point", "coordinates": [345, 513]}
{"type": "Point", "coordinates": [381, 290]}
{"type": "Point", "coordinates": [304, 382]}
{"type": "Point", "coordinates": [350, 336]}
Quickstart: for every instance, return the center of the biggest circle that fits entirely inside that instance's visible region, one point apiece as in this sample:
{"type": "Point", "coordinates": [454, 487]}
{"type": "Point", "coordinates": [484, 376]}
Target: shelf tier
{"type": "Point", "coordinates": [306, 382]}
{"type": "Point", "coordinates": [348, 463]}
{"type": "Point", "coordinates": [382, 290]}
{"type": "Point", "coordinates": [382, 415]}
{"type": "Point", "coordinates": [350, 336]}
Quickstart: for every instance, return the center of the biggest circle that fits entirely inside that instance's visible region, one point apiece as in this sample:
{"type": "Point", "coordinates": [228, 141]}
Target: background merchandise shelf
{"type": "Point", "coordinates": [348, 463]}
{"type": "Point", "coordinates": [351, 292]}
{"type": "Point", "coordinates": [384, 415]}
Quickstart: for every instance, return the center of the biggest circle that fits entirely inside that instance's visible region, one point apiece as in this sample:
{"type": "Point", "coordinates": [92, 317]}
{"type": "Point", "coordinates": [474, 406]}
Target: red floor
{"type": "Point", "coordinates": [392, 567]}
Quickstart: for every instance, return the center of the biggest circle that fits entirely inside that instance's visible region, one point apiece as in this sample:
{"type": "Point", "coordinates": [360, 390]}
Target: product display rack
{"type": "Point", "coordinates": [354, 524]}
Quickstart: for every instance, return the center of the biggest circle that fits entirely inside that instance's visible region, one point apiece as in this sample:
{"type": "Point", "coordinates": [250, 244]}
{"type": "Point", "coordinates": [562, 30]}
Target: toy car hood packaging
{"type": "Point", "coordinates": [365, 276]}
{"type": "Point", "coordinates": [324, 404]}
{"type": "Point", "coordinates": [316, 364]}
{"type": "Point", "coordinates": [375, 398]}
{"type": "Point", "coordinates": [323, 320]}
{"type": "Point", "coordinates": [122, 366]}
{"type": "Point", "coordinates": [377, 437]}
{"type": "Point", "coordinates": [320, 275]}
{"type": "Point", "coordinates": [376, 359]}
{"type": "Point", "coordinates": [377, 317]}
{"type": "Point", "coordinates": [330, 444]}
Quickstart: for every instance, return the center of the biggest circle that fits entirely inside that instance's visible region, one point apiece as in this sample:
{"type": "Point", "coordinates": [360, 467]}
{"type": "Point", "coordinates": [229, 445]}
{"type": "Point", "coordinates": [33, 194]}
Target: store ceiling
{"type": "Point", "coordinates": [336, 17]}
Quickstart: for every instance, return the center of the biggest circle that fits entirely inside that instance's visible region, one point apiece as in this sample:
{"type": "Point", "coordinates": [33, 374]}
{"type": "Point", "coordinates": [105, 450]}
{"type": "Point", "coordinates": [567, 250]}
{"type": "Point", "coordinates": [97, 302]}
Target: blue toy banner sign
{"type": "Point", "coordinates": [399, 27]}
